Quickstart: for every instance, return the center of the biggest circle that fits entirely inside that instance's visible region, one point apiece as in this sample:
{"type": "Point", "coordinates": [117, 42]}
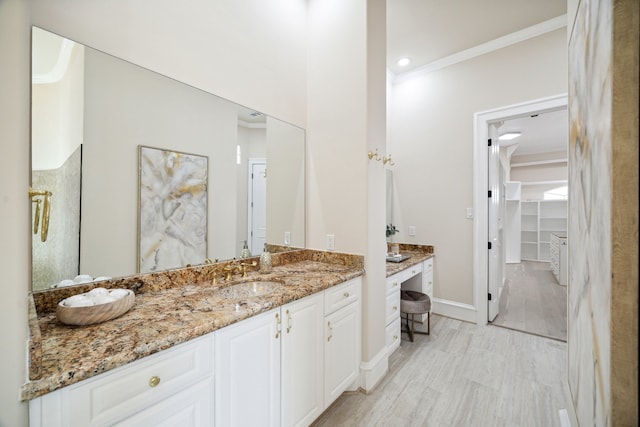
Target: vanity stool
{"type": "Point", "coordinates": [412, 303]}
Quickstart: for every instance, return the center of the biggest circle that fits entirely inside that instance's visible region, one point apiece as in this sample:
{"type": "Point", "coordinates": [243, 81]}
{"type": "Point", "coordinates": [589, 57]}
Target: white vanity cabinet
{"type": "Point", "coordinates": [392, 312]}
{"type": "Point", "coordinates": [342, 339]}
{"type": "Point", "coordinates": [269, 367]}
{"type": "Point", "coordinates": [278, 368]}
{"type": "Point", "coordinates": [170, 388]}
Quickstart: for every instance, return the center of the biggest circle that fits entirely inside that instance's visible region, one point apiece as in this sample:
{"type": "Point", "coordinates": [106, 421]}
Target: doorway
{"type": "Point", "coordinates": [257, 205]}
{"type": "Point", "coordinates": [533, 171]}
{"type": "Point", "coordinates": [489, 268]}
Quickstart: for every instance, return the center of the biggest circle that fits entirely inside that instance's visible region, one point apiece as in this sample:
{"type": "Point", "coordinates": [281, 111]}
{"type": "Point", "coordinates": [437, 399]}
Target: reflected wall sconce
{"type": "Point", "coordinates": [374, 155]}
{"type": "Point", "coordinates": [46, 211]}
{"type": "Point", "coordinates": [387, 159]}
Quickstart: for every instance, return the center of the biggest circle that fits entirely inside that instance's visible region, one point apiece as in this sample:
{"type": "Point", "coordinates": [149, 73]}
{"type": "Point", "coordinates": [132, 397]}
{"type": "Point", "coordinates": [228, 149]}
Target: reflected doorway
{"type": "Point", "coordinates": [257, 205]}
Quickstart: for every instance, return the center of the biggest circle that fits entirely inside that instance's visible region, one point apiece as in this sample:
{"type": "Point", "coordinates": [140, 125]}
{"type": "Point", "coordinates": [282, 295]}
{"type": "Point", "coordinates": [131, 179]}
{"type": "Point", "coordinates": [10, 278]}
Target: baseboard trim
{"type": "Point", "coordinates": [373, 371]}
{"type": "Point", "coordinates": [455, 310]}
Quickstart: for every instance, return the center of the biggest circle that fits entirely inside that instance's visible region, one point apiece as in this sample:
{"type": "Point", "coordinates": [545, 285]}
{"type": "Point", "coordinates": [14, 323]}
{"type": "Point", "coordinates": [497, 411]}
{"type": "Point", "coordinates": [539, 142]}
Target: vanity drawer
{"type": "Point", "coordinates": [393, 283]}
{"type": "Point", "coordinates": [393, 336]}
{"type": "Point", "coordinates": [341, 295]}
{"type": "Point", "coordinates": [120, 393]}
{"type": "Point", "coordinates": [428, 265]}
{"type": "Point", "coordinates": [411, 271]}
{"type": "Point", "coordinates": [393, 307]}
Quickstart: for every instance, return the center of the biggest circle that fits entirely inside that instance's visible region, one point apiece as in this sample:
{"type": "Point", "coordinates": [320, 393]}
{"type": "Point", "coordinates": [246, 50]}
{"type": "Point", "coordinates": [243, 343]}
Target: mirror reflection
{"type": "Point", "coordinates": [90, 114]}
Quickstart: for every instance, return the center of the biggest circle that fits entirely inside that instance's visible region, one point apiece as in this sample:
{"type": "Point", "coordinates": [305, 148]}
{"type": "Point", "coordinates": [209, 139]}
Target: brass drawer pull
{"type": "Point", "coordinates": [154, 381]}
{"type": "Point", "coordinates": [346, 294]}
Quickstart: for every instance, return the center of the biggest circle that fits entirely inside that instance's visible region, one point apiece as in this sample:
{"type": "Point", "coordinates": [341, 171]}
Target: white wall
{"type": "Point", "coordinates": [15, 206]}
{"type": "Point", "coordinates": [345, 119]}
{"type": "Point", "coordinates": [431, 125]}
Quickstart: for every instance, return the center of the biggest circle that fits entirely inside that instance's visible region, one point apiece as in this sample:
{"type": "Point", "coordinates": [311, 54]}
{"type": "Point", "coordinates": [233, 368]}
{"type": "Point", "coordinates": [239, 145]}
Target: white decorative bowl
{"type": "Point", "coordinates": [94, 313]}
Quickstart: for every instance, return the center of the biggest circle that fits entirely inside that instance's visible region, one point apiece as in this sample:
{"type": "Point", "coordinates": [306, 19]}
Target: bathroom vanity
{"type": "Point", "coordinates": [191, 353]}
{"type": "Point", "coordinates": [415, 273]}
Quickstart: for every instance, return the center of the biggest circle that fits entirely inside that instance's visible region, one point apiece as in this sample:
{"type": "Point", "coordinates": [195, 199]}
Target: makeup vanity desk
{"type": "Point", "coordinates": [414, 273]}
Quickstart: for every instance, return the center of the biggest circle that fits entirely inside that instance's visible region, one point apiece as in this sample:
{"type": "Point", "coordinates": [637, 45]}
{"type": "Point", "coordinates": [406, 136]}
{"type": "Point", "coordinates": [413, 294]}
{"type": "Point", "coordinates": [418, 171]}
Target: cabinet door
{"type": "Point", "coordinates": [247, 372]}
{"type": "Point", "coordinates": [341, 351]}
{"type": "Point", "coordinates": [302, 344]}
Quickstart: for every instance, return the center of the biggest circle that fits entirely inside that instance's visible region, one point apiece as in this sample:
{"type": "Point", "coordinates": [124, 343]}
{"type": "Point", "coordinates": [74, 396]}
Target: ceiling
{"type": "Point", "coordinates": [541, 133]}
{"type": "Point", "coordinates": [430, 30]}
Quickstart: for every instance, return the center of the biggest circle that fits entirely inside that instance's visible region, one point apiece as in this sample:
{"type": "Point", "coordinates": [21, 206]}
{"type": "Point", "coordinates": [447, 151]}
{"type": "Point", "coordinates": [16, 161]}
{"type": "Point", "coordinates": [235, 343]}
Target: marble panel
{"type": "Point", "coordinates": [589, 290]}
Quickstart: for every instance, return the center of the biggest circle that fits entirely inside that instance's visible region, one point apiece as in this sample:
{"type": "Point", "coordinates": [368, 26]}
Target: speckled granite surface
{"type": "Point", "coordinates": [171, 307]}
{"type": "Point", "coordinates": [417, 254]}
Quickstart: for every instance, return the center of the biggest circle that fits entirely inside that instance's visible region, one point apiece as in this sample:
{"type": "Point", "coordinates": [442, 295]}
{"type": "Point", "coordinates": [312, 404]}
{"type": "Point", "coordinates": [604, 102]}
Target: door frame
{"type": "Point", "coordinates": [481, 121]}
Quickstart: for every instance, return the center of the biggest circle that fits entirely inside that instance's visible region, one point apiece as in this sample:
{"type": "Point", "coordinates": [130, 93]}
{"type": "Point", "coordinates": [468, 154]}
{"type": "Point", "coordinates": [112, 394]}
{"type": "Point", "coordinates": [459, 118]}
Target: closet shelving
{"type": "Point", "coordinates": [539, 219]}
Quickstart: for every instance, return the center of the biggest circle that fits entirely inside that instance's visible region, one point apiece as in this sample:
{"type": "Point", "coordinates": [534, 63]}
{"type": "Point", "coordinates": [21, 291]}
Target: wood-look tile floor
{"type": "Point", "coordinates": [462, 375]}
{"type": "Point", "coordinates": [533, 301]}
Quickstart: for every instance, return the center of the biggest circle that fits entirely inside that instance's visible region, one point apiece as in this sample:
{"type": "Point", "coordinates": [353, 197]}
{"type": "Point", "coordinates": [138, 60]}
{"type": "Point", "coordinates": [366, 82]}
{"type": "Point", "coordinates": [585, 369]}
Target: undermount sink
{"type": "Point", "coordinates": [249, 289]}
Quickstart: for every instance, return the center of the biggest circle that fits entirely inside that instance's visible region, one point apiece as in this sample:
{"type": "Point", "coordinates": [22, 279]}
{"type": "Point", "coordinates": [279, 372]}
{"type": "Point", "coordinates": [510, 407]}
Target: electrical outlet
{"type": "Point", "coordinates": [287, 238]}
{"type": "Point", "coordinates": [331, 242]}
{"type": "Point", "coordinates": [470, 213]}
{"type": "Point", "coordinates": [412, 230]}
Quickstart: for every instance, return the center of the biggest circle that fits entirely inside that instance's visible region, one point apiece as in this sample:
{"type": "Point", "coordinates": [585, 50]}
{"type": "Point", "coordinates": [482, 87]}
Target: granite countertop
{"type": "Point", "coordinates": [416, 253]}
{"type": "Point", "coordinates": [170, 308]}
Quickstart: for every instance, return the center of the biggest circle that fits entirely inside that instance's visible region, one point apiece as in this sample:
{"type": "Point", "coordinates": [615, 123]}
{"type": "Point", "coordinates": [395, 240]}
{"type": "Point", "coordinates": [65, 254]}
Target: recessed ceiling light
{"type": "Point", "coordinates": [404, 62]}
{"type": "Point", "coordinates": [509, 135]}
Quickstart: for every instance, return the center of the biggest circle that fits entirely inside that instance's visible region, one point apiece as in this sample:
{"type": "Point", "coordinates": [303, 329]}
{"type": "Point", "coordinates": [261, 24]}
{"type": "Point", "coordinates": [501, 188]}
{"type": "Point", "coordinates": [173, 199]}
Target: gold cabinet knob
{"type": "Point", "coordinates": [154, 381]}
{"type": "Point", "coordinates": [346, 294]}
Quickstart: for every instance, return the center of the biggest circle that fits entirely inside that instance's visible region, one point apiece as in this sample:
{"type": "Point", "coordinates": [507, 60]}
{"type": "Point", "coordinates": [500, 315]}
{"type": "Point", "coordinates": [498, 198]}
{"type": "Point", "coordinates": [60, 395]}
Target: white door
{"type": "Point", "coordinates": [495, 266]}
{"type": "Point", "coordinates": [257, 205]}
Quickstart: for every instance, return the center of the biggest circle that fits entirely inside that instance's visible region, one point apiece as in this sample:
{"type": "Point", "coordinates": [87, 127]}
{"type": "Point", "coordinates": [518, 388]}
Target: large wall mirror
{"type": "Point", "coordinates": [90, 114]}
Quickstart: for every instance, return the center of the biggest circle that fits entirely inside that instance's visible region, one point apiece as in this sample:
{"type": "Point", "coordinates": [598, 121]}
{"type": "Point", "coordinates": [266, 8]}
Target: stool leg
{"type": "Point", "coordinates": [413, 325]}
{"type": "Point", "coordinates": [428, 323]}
{"type": "Point", "coordinates": [409, 330]}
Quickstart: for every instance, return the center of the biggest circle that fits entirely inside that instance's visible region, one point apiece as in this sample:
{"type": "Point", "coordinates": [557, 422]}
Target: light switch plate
{"type": "Point", "coordinates": [412, 230]}
{"type": "Point", "coordinates": [470, 213]}
{"type": "Point", "coordinates": [287, 238]}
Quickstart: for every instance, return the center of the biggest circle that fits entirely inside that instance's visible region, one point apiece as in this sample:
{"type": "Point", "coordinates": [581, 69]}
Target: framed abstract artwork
{"type": "Point", "coordinates": [172, 206]}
